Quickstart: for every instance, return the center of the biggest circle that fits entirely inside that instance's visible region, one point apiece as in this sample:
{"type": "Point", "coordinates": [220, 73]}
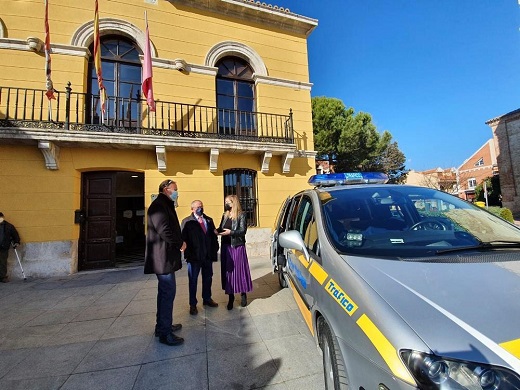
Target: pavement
{"type": "Point", "coordinates": [94, 330]}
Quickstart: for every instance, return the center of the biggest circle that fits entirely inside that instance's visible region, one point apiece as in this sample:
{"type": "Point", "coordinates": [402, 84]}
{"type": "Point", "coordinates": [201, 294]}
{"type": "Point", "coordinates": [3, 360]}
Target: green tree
{"type": "Point", "coordinates": [329, 118]}
{"type": "Point", "coordinates": [493, 190]}
{"type": "Point", "coordinates": [351, 142]}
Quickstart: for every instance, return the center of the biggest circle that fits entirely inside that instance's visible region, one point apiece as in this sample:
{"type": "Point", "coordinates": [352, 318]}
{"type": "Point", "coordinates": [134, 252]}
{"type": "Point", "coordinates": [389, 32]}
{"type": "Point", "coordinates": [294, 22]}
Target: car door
{"type": "Point", "coordinates": [277, 255]}
{"type": "Point", "coordinates": [298, 265]}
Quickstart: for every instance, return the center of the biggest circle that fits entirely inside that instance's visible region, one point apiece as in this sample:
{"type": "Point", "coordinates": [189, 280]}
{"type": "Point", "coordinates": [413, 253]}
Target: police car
{"type": "Point", "coordinates": [402, 287]}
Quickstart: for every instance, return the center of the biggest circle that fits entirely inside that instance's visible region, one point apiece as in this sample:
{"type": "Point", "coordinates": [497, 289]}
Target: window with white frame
{"type": "Point", "coordinates": [472, 183]}
{"type": "Point", "coordinates": [480, 162]}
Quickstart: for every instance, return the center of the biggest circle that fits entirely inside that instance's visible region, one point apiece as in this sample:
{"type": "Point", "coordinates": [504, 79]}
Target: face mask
{"type": "Point", "coordinates": [199, 211]}
{"type": "Point", "coordinates": [174, 195]}
{"type": "Point", "coordinates": [227, 207]}
{"type": "Point", "coordinates": [1, 219]}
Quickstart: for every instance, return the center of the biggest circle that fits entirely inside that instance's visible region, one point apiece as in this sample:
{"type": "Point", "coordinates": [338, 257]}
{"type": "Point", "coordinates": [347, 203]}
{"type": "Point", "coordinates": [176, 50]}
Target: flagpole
{"type": "Point", "coordinates": [147, 75]}
{"type": "Point", "coordinates": [48, 82]}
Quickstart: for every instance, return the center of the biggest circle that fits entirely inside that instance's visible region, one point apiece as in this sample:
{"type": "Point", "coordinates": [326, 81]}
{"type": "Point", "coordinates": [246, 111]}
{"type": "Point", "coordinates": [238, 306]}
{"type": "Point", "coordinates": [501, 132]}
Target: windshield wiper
{"type": "Point", "coordinates": [489, 245]}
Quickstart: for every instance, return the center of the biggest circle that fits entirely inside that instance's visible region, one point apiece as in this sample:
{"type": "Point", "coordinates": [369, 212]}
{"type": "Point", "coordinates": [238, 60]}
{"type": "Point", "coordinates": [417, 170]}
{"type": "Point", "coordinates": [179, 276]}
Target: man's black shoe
{"type": "Point", "coordinates": [175, 328]}
{"type": "Point", "coordinates": [171, 339]}
{"type": "Point", "coordinates": [210, 303]}
{"type": "Point", "coordinates": [193, 310]}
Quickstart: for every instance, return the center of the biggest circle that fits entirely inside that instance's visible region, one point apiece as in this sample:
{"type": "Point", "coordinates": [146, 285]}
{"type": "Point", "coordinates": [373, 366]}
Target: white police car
{"type": "Point", "coordinates": [403, 287]}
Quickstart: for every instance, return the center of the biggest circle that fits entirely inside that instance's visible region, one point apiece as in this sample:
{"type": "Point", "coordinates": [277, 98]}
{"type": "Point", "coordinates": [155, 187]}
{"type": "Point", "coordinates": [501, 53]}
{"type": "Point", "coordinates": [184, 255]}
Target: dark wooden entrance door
{"type": "Point", "coordinates": [98, 230]}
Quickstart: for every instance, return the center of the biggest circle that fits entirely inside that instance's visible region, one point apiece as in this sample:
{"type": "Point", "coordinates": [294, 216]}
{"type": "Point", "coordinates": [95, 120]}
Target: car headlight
{"type": "Point", "coordinates": [435, 372]}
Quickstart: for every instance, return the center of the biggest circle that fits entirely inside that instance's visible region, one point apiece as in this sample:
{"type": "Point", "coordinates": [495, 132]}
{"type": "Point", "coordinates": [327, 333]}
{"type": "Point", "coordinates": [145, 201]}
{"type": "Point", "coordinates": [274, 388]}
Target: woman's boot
{"type": "Point", "coordinates": [243, 301]}
{"type": "Point", "coordinates": [230, 301]}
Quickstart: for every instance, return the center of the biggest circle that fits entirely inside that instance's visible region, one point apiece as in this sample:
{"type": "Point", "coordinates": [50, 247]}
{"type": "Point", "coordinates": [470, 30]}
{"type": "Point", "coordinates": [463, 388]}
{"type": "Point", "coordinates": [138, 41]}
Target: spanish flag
{"type": "Point", "coordinates": [48, 83]}
{"type": "Point", "coordinates": [147, 70]}
{"type": "Point", "coordinates": [97, 60]}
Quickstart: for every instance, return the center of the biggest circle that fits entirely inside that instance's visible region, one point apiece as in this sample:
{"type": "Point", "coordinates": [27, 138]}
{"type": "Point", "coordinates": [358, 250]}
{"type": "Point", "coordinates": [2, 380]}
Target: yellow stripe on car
{"type": "Point", "coordinates": [513, 347]}
{"type": "Point", "coordinates": [306, 313]}
{"type": "Point", "coordinates": [385, 349]}
{"type": "Point", "coordinates": [302, 259]}
{"type": "Point", "coordinates": [318, 272]}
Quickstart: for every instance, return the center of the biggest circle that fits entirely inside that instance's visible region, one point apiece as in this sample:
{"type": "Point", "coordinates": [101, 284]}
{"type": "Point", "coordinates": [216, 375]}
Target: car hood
{"type": "Point", "coordinates": [462, 310]}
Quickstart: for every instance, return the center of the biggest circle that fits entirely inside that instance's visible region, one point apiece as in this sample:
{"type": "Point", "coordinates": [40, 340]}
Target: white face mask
{"type": "Point", "coordinates": [1, 219]}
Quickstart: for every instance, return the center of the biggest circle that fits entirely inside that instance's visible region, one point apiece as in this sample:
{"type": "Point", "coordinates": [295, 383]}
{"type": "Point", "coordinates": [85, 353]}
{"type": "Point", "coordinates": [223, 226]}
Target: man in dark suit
{"type": "Point", "coordinates": [164, 245]}
{"type": "Point", "coordinates": [200, 235]}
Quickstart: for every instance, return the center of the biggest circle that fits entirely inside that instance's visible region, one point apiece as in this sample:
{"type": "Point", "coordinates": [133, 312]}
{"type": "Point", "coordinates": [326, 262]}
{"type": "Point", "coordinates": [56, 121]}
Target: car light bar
{"type": "Point", "coordinates": [337, 179]}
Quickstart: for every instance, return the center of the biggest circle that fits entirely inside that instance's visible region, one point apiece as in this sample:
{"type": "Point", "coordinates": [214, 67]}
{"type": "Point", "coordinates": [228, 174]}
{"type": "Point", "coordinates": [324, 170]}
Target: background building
{"type": "Point", "coordinates": [233, 116]}
{"type": "Point", "coordinates": [506, 134]}
{"type": "Point", "coordinates": [475, 169]}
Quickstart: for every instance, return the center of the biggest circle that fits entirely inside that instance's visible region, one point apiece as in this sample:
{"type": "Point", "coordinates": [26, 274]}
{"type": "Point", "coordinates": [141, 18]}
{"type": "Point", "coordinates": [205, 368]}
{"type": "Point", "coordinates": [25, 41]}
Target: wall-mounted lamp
{"type": "Point", "coordinates": [35, 44]}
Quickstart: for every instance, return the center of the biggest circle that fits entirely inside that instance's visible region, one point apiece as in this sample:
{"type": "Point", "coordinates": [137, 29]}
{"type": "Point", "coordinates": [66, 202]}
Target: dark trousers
{"type": "Point", "coordinates": [207, 275]}
{"type": "Point", "coordinates": [165, 295]}
{"type": "Point", "coordinates": [3, 262]}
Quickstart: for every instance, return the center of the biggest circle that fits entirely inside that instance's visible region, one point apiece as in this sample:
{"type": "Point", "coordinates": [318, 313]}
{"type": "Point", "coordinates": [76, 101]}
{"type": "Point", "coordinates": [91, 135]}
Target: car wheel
{"type": "Point", "coordinates": [334, 371]}
{"type": "Point", "coordinates": [281, 279]}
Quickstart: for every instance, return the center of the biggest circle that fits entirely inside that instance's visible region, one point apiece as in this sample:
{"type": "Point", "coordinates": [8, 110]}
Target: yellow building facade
{"type": "Point", "coordinates": [233, 116]}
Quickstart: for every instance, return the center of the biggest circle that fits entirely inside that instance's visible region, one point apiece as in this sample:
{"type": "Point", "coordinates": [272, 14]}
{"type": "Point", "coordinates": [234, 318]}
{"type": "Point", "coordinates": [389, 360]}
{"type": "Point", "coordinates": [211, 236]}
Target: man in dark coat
{"type": "Point", "coordinates": [164, 245]}
{"type": "Point", "coordinates": [8, 236]}
{"type": "Point", "coordinates": [200, 235]}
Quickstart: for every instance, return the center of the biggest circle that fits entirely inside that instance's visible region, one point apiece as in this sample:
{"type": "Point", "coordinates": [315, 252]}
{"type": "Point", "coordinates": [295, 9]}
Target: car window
{"type": "Point", "coordinates": [311, 237]}
{"type": "Point", "coordinates": [406, 221]}
{"type": "Point", "coordinates": [293, 212]}
{"type": "Point", "coordinates": [305, 223]}
{"type": "Point", "coordinates": [282, 217]}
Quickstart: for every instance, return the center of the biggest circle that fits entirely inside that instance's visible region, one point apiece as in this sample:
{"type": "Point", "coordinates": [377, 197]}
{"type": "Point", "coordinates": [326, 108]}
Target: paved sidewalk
{"type": "Point", "coordinates": [95, 331]}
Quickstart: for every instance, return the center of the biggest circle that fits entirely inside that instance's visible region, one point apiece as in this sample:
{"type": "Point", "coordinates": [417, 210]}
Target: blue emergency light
{"type": "Point", "coordinates": [337, 179]}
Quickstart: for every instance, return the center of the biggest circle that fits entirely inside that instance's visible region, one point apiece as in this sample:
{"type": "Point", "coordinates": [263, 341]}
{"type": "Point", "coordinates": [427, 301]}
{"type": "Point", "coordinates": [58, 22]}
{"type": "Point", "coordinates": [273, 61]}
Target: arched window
{"type": "Point", "coordinates": [121, 69]}
{"type": "Point", "coordinates": [235, 97]}
{"type": "Point", "coordinates": [242, 183]}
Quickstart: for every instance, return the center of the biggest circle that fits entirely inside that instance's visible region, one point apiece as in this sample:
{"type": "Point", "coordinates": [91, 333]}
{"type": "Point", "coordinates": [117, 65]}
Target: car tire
{"type": "Point", "coordinates": [281, 279]}
{"type": "Point", "coordinates": [335, 374]}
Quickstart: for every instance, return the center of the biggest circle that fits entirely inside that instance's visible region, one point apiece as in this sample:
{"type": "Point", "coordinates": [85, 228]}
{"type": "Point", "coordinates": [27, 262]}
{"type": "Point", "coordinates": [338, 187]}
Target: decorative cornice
{"type": "Point", "coordinates": [231, 48]}
{"type": "Point", "coordinates": [21, 44]}
{"type": "Point", "coordinates": [307, 153]}
{"type": "Point", "coordinates": [258, 12]}
{"type": "Point", "coordinates": [259, 79]}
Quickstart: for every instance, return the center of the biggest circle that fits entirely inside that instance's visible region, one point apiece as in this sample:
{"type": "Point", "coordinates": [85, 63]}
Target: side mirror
{"type": "Point", "coordinates": [292, 239]}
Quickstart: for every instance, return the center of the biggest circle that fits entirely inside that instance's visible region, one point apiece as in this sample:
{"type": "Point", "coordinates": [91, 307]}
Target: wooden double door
{"type": "Point", "coordinates": [111, 219]}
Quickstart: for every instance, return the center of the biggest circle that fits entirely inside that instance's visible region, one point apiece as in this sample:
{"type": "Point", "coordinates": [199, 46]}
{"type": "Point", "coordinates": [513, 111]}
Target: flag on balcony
{"type": "Point", "coordinates": [48, 83]}
{"type": "Point", "coordinates": [147, 70]}
{"type": "Point", "coordinates": [97, 60]}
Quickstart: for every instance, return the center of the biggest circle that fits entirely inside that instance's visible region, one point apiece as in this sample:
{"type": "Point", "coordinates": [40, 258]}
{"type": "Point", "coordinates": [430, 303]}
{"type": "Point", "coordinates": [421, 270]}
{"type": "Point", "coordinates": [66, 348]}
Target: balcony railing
{"type": "Point", "coordinates": [26, 108]}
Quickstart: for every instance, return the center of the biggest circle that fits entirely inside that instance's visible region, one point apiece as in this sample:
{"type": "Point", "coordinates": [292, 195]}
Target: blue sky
{"type": "Point", "coordinates": [431, 72]}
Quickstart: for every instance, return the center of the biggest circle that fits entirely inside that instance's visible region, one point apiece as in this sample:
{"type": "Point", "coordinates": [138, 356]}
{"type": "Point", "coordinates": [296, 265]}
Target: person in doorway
{"type": "Point", "coordinates": [164, 245]}
{"type": "Point", "coordinates": [236, 276]}
{"type": "Point", "coordinates": [200, 236]}
{"type": "Point", "coordinates": [8, 236]}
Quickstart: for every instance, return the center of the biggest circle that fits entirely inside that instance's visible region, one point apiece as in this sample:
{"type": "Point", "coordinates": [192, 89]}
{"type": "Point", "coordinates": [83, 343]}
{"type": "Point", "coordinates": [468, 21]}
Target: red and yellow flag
{"type": "Point", "coordinates": [48, 82]}
{"type": "Point", "coordinates": [147, 73]}
{"type": "Point", "coordinates": [97, 60]}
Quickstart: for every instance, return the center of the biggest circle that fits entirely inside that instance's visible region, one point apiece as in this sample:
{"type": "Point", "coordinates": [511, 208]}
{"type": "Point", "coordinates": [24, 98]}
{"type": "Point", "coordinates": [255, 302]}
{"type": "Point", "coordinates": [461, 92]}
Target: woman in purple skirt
{"type": "Point", "coordinates": [236, 277]}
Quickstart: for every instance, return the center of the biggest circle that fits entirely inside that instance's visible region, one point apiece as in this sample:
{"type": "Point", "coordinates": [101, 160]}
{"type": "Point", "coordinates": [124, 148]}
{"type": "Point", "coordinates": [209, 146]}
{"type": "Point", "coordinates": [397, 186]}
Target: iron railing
{"type": "Point", "coordinates": [24, 107]}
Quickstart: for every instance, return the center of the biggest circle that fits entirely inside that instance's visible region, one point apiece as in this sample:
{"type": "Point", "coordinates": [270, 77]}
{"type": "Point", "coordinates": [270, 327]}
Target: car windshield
{"type": "Point", "coordinates": [405, 221]}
